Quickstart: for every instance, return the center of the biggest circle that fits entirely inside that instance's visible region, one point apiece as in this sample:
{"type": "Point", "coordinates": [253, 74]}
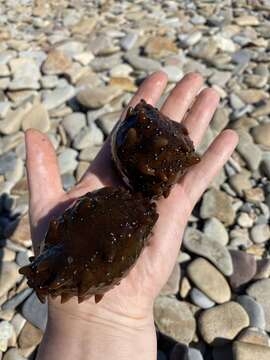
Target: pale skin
{"type": "Point", "coordinates": [121, 326]}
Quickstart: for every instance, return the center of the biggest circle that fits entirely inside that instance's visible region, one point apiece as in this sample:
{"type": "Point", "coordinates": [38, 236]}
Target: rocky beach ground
{"type": "Point", "coordinates": [68, 68]}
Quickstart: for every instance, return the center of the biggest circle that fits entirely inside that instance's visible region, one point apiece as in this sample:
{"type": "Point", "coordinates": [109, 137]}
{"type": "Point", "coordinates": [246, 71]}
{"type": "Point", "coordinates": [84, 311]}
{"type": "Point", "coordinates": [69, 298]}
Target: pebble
{"type": "Point", "coordinates": [185, 287]}
{"type": "Point", "coordinates": [13, 120]}
{"type": "Point", "coordinates": [8, 276]}
{"type": "Point", "coordinates": [57, 97]}
{"type": "Point", "coordinates": [255, 311]}
{"type": "Point", "coordinates": [56, 63]}
{"type": "Point", "coordinates": [222, 323]}
{"type": "Point", "coordinates": [174, 319]}
{"type": "Point", "coordinates": [18, 322]}
{"type": "Point", "coordinates": [89, 153]}
{"type": "Point", "coordinates": [217, 204]}
{"type": "Point", "coordinates": [142, 63]}
{"type": "Point", "coordinates": [253, 335]}
{"type": "Point", "coordinates": [49, 81]}
{"type": "Point", "coordinates": [244, 268]}
{"type": "Point", "coordinates": [173, 72]}
{"type": "Point", "coordinates": [35, 312]}
{"type": "Point", "coordinates": [254, 195]}
{"type": "Point", "coordinates": [13, 354]}
{"type": "Point", "coordinates": [7, 254]}
{"type": "Point", "coordinates": [240, 182]}
{"type": "Point", "coordinates": [252, 96]}
{"type": "Point", "coordinates": [121, 70]}
{"type": "Point", "coordinates": [22, 258]}
{"type": "Point", "coordinates": [105, 63]}
{"type": "Point", "coordinates": [71, 47]}
{"type": "Point", "coordinates": [200, 299]}
{"type": "Point", "coordinates": [128, 41]}
{"type": "Point", "coordinates": [16, 300]}
{"type": "Point", "coordinates": [261, 134]}
{"type": "Point", "coordinates": [36, 118]}
{"type": "Point", "coordinates": [216, 231]}
{"type": "Point", "coordinates": [262, 110]}
{"type": "Point", "coordinates": [198, 243]}
{"type": "Point", "coordinates": [214, 285]}
{"type": "Point", "coordinates": [263, 269]}
{"type": "Point", "coordinates": [96, 98]}
{"type": "Point", "coordinates": [6, 332]}
{"type": "Point", "coordinates": [88, 136]}
{"type": "Point", "coordinates": [107, 121]}
{"type": "Point", "coordinates": [260, 291]}
{"type": "Point", "coordinates": [260, 233]}
{"type": "Point", "coordinates": [20, 231]}
{"type": "Point", "coordinates": [158, 47]}
{"type": "Point", "coordinates": [73, 123]}
{"type": "Point", "coordinates": [220, 119]}
{"type": "Point", "coordinates": [245, 351]}
{"type": "Point", "coordinates": [245, 220]}
{"type": "Point", "coordinates": [30, 336]}
{"type": "Point", "coordinates": [250, 152]}
{"type": "Point", "coordinates": [84, 58]}
{"type": "Point", "coordinates": [4, 108]}
{"type": "Point", "coordinates": [194, 354]}
{"type": "Point", "coordinates": [172, 285]}
{"type": "Point", "coordinates": [67, 160]}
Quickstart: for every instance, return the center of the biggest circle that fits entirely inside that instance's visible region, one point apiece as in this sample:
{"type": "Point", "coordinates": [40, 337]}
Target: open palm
{"type": "Point", "coordinates": [135, 294]}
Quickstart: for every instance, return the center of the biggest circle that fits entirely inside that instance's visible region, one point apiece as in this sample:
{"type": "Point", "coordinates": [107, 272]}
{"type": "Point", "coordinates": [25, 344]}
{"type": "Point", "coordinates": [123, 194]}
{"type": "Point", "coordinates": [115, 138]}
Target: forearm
{"type": "Point", "coordinates": [66, 338]}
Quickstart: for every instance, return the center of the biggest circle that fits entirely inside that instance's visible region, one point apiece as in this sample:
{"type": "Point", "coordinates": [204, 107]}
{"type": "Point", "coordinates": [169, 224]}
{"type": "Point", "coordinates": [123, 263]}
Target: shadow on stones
{"type": "Point", "coordinates": [8, 223]}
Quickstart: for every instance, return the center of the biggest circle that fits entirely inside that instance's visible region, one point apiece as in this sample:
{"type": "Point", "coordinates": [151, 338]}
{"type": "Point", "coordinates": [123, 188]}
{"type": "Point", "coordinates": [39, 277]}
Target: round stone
{"type": "Point", "coordinates": [216, 231]}
{"type": "Point", "coordinates": [67, 161]}
{"type": "Point", "coordinates": [173, 72]}
{"type": "Point", "coordinates": [260, 233]}
{"type": "Point", "coordinates": [73, 123]}
{"type": "Point", "coordinates": [13, 354]}
{"type": "Point", "coordinates": [8, 276]}
{"type": "Point", "coordinates": [261, 134]}
{"type": "Point", "coordinates": [6, 332]}
{"type": "Point", "coordinates": [174, 319]}
{"type": "Point", "coordinates": [254, 336]}
{"type": "Point", "coordinates": [255, 311]}
{"type": "Point", "coordinates": [245, 351]}
{"type": "Point", "coordinates": [260, 291]}
{"type": "Point", "coordinates": [198, 243]}
{"type": "Point", "coordinates": [214, 285]}
{"type": "Point", "coordinates": [217, 204]}
{"type": "Point", "coordinates": [222, 323]}
{"type": "Point", "coordinates": [200, 299]}
{"type": "Point", "coordinates": [37, 118]}
{"type": "Point", "coordinates": [244, 268]}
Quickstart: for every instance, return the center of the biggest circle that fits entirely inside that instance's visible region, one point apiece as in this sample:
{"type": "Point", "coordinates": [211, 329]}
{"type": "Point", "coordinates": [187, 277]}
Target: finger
{"type": "Point", "coordinates": [182, 96]}
{"type": "Point", "coordinates": [101, 171]}
{"type": "Point", "coordinates": [197, 179]}
{"type": "Point", "coordinates": [151, 89]}
{"type": "Point", "coordinates": [200, 114]}
{"type": "Point", "coordinates": [42, 168]}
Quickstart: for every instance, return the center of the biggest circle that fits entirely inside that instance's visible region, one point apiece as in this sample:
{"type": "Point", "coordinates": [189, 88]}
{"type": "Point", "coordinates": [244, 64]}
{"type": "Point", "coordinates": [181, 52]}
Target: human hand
{"type": "Point", "coordinates": [130, 304]}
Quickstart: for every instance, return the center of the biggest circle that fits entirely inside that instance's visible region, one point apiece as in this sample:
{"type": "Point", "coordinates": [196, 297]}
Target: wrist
{"type": "Point", "coordinates": [96, 333]}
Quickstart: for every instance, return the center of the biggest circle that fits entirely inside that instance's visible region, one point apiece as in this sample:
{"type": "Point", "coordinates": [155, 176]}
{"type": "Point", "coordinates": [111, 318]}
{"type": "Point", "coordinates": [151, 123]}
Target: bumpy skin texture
{"type": "Point", "coordinates": [151, 151]}
{"type": "Point", "coordinates": [92, 245]}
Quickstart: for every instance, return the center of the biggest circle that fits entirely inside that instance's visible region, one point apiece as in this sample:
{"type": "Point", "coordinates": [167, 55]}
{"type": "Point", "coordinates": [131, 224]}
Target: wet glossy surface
{"type": "Point", "coordinates": [93, 245]}
{"type": "Point", "coordinates": [151, 151]}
